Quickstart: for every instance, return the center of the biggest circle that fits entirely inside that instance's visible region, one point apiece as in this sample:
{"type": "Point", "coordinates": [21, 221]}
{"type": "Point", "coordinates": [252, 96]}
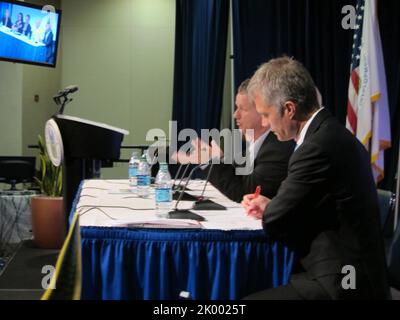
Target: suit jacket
{"type": "Point", "coordinates": [270, 168]}
{"type": "Point", "coordinates": [19, 25]}
{"type": "Point", "coordinates": [27, 30]}
{"type": "Point", "coordinates": [7, 22]}
{"type": "Point", "coordinates": [327, 210]}
{"type": "Point", "coordinates": [48, 41]}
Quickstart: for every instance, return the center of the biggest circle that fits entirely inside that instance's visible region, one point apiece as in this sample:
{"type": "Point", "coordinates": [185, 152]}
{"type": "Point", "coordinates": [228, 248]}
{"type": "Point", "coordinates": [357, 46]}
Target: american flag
{"type": "Point", "coordinates": [351, 120]}
{"type": "Point", "coordinates": [367, 106]}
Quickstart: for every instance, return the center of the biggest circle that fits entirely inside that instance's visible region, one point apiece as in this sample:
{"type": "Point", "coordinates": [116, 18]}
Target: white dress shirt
{"type": "Point", "coordinates": [255, 145]}
{"type": "Point", "coordinates": [303, 131]}
{"type": "Point", "coordinates": [254, 148]}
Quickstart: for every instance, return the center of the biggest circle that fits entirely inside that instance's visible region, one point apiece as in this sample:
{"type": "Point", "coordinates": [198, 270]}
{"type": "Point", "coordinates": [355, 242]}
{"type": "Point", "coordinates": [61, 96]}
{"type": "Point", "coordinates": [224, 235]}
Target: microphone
{"type": "Point", "coordinates": [176, 213]}
{"type": "Point", "coordinates": [67, 90]}
{"type": "Point", "coordinates": [151, 159]}
{"type": "Point", "coordinates": [176, 175]}
{"type": "Point", "coordinates": [180, 190]}
{"type": "Point", "coordinates": [174, 186]}
{"type": "Point", "coordinates": [206, 204]}
{"type": "Point", "coordinates": [61, 98]}
{"type": "Point", "coordinates": [71, 89]}
{"type": "Point", "coordinates": [183, 175]}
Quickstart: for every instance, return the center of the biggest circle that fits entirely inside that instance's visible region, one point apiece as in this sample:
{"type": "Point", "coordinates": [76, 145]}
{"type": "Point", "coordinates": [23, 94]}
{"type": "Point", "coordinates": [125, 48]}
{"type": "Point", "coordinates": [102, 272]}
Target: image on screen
{"type": "Point", "coordinates": [28, 34]}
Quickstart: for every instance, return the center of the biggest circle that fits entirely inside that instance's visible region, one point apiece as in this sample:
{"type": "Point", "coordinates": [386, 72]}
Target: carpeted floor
{"type": "Point", "coordinates": [22, 277]}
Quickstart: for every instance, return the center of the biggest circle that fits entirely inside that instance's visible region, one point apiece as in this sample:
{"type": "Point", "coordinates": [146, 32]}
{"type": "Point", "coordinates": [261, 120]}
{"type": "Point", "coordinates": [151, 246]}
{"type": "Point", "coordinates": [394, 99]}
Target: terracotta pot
{"type": "Point", "coordinates": [48, 222]}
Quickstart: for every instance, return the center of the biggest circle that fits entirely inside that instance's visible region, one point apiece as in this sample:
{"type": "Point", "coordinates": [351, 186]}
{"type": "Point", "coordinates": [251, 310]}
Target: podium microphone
{"type": "Point", "coordinates": [66, 91]}
{"type": "Point", "coordinates": [176, 213]}
{"type": "Point", "coordinates": [203, 203]}
{"type": "Point", "coordinates": [64, 94]}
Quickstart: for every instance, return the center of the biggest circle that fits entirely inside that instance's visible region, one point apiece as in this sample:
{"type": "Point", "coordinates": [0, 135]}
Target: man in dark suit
{"type": "Point", "coordinates": [268, 157]}
{"type": "Point", "coordinates": [48, 41]}
{"type": "Point", "coordinates": [326, 209]}
{"type": "Point", "coordinates": [27, 30]}
{"type": "Point", "coordinates": [6, 20]}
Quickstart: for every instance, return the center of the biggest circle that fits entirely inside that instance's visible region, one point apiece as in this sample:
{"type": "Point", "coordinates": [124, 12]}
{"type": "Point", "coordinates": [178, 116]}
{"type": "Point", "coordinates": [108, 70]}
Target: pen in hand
{"type": "Point", "coordinates": [257, 192]}
{"type": "Point", "coordinates": [255, 196]}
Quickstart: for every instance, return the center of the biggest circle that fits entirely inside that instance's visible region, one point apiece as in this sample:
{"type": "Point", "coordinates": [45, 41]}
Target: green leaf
{"type": "Point", "coordinates": [51, 176]}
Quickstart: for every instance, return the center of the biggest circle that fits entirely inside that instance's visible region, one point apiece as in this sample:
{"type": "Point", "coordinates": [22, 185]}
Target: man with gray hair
{"type": "Point", "coordinates": [326, 209]}
{"type": "Point", "coordinates": [268, 156]}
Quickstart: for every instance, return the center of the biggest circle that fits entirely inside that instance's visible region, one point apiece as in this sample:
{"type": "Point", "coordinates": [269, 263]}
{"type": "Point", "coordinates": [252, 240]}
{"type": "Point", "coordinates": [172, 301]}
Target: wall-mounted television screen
{"type": "Point", "coordinates": [29, 33]}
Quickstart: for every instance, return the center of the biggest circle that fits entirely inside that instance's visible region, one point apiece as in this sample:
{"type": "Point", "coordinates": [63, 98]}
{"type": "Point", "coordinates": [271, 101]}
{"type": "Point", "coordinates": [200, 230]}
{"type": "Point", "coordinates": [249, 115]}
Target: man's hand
{"type": "Point", "coordinates": [201, 153]}
{"type": "Point", "coordinates": [255, 205]}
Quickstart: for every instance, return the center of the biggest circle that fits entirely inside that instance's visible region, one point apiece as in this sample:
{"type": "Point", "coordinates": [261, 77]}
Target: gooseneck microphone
{"type": "Point", "coordinates": [176, 213]}
{"type": "Point", "coordinates": [203, 203]}
{"type": "Point", "coordinates": [176, 187]}
{"type": "Point", "coordinates": [179, 190]}
{"type": "Point", "coordinates": [177, 175]}
{"type": "Point", "coordinates": [151, 159]}
{"type": "Point", "coordinates": [207, 178]}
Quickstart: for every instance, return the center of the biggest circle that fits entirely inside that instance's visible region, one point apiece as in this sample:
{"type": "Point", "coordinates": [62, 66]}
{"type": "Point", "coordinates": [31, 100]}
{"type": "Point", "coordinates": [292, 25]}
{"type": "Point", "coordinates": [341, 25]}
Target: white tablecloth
{"type": "Point", "coordinates": [110, 203]}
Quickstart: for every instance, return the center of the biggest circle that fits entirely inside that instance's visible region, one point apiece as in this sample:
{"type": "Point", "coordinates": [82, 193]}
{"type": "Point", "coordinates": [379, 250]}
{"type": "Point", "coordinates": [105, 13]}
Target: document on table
{"type": "Point", "coordinates": [158, 223]}
{"type": "Point", "coordinates": [110, 203]}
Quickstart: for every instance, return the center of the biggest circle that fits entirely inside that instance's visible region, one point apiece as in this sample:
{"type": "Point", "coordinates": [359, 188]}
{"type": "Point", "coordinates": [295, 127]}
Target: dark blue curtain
{"type": "Point", "coordinates": [308, 30]}
{"type": "Point", "coordinates": [311, 31]}
{"type": "Point", "coordinates": [200, 52]}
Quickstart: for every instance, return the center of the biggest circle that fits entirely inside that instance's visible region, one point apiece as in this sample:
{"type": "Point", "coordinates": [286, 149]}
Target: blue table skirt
{"type": "Point", "coordinates": [13, 48]}
{"type": "Point", "coordinates": [122, 263]}
{"type": "Point", "coordinates": [159, 264]}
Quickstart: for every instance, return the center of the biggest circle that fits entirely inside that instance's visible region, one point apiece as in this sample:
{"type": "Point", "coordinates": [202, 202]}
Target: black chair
{"type": "Point", "coordinates": [386, 206]}
{"type": "Point", "coordinates": [387, 203]}
{"type": "Point", "coordinates": [394, 260]}
{"type": "Point", "coordinates": [17, 169]}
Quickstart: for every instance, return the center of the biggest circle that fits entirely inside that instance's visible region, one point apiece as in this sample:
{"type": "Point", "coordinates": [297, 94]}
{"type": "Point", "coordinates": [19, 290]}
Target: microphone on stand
{"type": "Point", "coordinates": [177, 175]}
{"type": "Point", "coordinates": [176, 213]}
{"type": "Point", "coordinates": [151, 159]}
{"type": "Point", "coordinates": [180, 190]}
{"type": "Point", "coordinates": [64, 94]}
{"type": "Point", "coordinates": [179, 186]}
{"type": "Point", "coordinates": [66, 91]}
{"type": "Point", "coordinates": [203, 203]}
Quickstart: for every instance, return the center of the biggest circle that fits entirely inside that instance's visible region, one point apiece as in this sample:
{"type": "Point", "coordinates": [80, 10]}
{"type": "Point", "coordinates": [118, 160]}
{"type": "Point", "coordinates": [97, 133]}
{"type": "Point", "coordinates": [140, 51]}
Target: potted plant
{"type": "Point", "coordinates": [48, 217]}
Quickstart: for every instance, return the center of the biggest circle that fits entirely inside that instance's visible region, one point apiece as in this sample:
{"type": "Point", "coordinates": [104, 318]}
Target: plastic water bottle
{"type": "Point", "coordinates": [143, 178]}
{"type": "Point", "coordinates": [163, 192]}
{"type": "Point", "coordinates": [132, 171]}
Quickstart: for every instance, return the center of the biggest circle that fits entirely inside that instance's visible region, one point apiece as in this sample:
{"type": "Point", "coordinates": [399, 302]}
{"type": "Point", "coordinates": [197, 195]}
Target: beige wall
{"type": "Point", "coordinates": [10, 109]}
{"type": "Point", "coordinates": [120, 53]}
{"type": "Point", "coordinates": [35, 114]}
{"type": "Point", "coordinates": [21, 119]}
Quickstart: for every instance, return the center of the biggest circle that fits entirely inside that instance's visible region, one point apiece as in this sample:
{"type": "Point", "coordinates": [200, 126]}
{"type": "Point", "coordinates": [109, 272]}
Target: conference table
{"type": "Point", "coordinates": [17, 46]}
{"type": "Point", "coordinates": [128, 252]}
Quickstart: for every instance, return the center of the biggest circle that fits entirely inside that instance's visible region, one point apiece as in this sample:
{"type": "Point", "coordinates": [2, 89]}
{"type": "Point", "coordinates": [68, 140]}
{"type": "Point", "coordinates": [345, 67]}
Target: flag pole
{"type": "Point", "coordinates": [232, 61]}
{"type": "Point", "coordinates": [396, 212]}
